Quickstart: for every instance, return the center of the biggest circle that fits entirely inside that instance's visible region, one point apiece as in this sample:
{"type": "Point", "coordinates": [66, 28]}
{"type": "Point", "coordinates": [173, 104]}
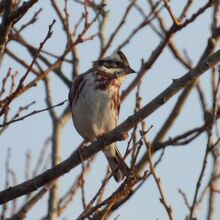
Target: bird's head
{"type": "Point", "coordinates": [116, 65]}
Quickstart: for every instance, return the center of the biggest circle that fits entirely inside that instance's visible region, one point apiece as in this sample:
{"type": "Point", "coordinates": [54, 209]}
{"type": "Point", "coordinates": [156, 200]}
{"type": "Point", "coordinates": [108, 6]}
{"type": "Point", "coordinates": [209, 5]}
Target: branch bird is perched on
{"type": "Point", "coordinates": [95, 102]}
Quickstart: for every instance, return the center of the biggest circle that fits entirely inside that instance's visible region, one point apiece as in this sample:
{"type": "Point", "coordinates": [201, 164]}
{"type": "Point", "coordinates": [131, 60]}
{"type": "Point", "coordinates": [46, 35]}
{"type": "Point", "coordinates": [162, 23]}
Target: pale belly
{"type": "Point", "coordinates": [92, 115]}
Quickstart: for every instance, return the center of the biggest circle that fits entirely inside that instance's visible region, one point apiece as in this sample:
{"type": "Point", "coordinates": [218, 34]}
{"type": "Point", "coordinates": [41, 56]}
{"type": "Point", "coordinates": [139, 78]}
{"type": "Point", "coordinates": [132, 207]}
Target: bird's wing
{"type": "Point", "coordinates": [77, 86]}
{"type": "Point", "coordinates": [75, 89]}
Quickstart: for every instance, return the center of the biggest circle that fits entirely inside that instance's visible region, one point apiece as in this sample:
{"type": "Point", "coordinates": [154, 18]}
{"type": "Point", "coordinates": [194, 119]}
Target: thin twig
{"type": "Point", "coordinates": [114, 135]}
{"type": "Point", "coordinates": [32, 113]}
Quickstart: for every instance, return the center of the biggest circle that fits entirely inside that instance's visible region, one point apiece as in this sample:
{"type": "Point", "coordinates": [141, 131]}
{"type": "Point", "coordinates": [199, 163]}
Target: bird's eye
{"type": "Point", "coordinates": [109, 64]}
{"type": "Point", "coordinates": [118, 64]}
{"type": "Point", "coordinates": [112, 64]}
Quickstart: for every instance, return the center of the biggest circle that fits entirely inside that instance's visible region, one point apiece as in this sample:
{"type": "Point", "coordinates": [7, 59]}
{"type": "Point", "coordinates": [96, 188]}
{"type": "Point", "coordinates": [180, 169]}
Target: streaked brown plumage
{"type": "Point", "coordinates": [95, 103]}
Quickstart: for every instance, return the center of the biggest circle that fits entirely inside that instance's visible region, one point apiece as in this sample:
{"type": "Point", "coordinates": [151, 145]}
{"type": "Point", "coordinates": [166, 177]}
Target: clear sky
{"type": "Point", "coordinates": [180, 167]}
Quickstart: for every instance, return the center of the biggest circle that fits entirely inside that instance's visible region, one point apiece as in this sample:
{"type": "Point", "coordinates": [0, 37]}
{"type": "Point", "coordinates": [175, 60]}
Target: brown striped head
{"type": "Point", "coordinates": [116, 64]}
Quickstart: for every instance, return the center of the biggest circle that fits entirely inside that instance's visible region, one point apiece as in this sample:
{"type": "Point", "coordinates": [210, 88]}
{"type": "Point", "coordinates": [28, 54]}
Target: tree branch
{"type": "Point", "coordinates": [115, 135]}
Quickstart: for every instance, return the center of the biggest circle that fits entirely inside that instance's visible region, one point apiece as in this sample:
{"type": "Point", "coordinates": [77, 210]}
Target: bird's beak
{"type": "Point", "coordinates": [130, 70]}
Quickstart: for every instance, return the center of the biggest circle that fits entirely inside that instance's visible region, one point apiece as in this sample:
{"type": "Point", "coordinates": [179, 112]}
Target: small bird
{"type": "Point", "coordinates": [95, 102]}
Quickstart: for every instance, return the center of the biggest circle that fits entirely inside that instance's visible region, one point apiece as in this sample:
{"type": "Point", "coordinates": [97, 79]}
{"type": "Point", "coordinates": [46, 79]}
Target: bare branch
{"type": "Point", "coordinates": [20, 85]}
{"type": "Point", "coordinates": [115, 135]}
{"type": "Point", "coordinates": [158, 182]}
{"type": "Point", "coordinates": [32, 113]}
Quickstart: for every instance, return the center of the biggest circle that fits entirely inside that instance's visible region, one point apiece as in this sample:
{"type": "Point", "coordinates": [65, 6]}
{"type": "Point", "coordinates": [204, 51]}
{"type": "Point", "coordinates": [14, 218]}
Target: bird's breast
{"type": "Point", "coordinates": [92, 113]}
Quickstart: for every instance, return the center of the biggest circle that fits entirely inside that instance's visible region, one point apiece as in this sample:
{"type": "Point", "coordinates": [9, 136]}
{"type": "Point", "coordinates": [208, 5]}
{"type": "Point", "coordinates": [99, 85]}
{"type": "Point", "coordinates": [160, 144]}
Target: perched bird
{"type": "Point", "coordinates": [95, 102]}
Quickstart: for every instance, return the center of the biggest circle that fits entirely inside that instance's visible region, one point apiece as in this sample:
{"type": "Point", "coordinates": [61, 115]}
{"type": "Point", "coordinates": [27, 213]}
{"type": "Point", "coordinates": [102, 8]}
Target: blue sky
{"type": "Point", "coordinates": [180, 166]}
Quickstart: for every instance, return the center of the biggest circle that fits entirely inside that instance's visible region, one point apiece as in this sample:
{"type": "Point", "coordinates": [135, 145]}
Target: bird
{"type": "Point", "coordinates": [94, 99]}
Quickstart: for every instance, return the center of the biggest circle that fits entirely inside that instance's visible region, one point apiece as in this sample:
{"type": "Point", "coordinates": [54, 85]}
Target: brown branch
{"type": "Point", "coordinates": [158, 182]}
{"type": "Point", "coordinates": [5, 26]}
{"type": "Point", "coordinates": [16, 115]}
{"type": "Point", "coordinates": [115, 135]}
{"type": "Point", "coordinates": [59, 12]}
{"type": "Point", "coordinates": [124, 189]}
{"type": "Point", "coordinates": [31, 21]}
{"type": "Point", "coordinates": [48, 98]}
{"type": "Point", "coordinates": [216, 190]}
{"type": "Point", "coordinates": [148, 64]}
{"type": "Point", "coordinates": [147, 20]}
{"type": "Point", "coordinates": [202, 99]}
{"type": "Point", "coordinates": [68, 197]}
{"type": "Point", "coordinates": [89, 209]}
{"type": "Point", "coordinates": [4, 81]}
{"type": "Point", "coordinates": [212, 205]}
{"type": "Point", "coordinates": [168, 7]}
{"type": "Point", "coordinates": [103, 24]}
{"type": "Point", "coordinates": [82, 185]}
{"type": "Point", "coordinates": [22, 213]}
{"type": "Point", "coordinates": [20, 85]}
{"type": "Point", "coordinates": [184, 198]}
{"type": "Point", "coordinates": [17, 14]}
{"type": "Point", "coordinates": [130, 191]}
{"type": "Point", "coordinates": [32, 113]}
{"type": "Point", "coordinates": [18, 38]}
{"type": "Point", "coordinates": [122, 22]}
{"type": "Point", "coordinates": [209, 147]}
{"type": "Point", "coordinates": [56, 64]}
{"type": "Point", "coordinates": [183, 138]}
{"type": "Point", "coordinates": [10, 17]}
{"type": "Point", "coordinates": [7, 168]}
{"type": "Point", "coordinates": [163, 199]}
{"type": "Point", "coordinates": [192, 209]}
{"type": "Point", "coordinates": [186, 9]}
{"type": "Point", "coordinates": [32, 50]}
{"type": "Point", "coordinates": [182, 98]}
{"type": "Point", "coordinates": [199, 12]}
{"type": "Point", "coordinates": [171, 44]}
{"type": "Point", "coordinates": [41, 157]}
{"type": "Point", "coordinates": [27, 168]}
{"type": "Point", "coordinates": [20, 61]}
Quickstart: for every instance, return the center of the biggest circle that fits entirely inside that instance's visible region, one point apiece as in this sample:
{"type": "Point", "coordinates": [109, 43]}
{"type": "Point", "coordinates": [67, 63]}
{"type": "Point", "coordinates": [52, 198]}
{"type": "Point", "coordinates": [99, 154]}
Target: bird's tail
{"type": "Point", "coordinates": [116, 162]}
